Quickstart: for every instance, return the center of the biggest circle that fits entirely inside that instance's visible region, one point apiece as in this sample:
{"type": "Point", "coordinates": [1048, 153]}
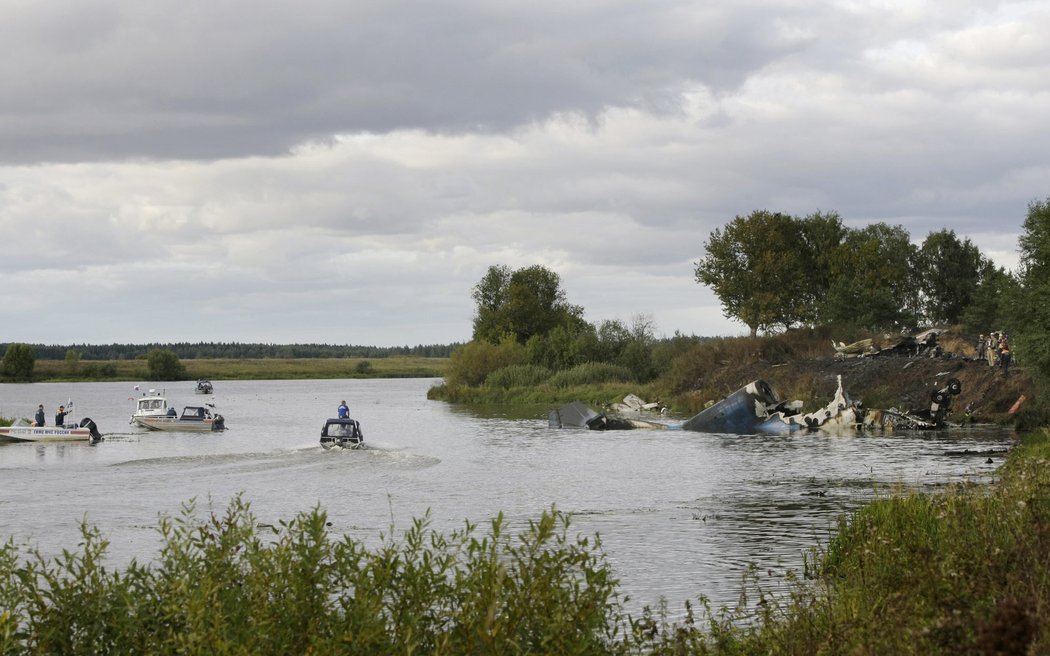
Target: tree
{"type": "Point", "coordinates": [72, 362]}
{"type": "Point", "coordinates": [757, 267]}
{"type": "Point", "coordinates": [988, 303]}
{"type": "Point", "coordinates": [490, 295]}
{"type": "Point", "coordinates": [164, 364]}
{"type": "Point", "coordinates": [948, 271]}
{"type": "Point", "coordinates": [522, 304]}
{"type": "Point", "coordinates": [19, 362]}
{"type": "Point", "coordinates": [1029, 316]}
{"type": "Point", "coordinates": [871, 280]}
{"type": "Point", "coordinates": [822, 234]}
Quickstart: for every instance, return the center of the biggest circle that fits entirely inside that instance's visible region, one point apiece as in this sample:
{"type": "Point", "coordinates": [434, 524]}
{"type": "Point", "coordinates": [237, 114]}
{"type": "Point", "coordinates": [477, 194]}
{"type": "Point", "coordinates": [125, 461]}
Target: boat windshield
{"type": "Point", "coordinates": [194, 414]}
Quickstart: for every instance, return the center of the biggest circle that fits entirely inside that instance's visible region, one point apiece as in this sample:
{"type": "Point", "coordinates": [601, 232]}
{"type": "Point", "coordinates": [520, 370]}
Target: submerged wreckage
{"type": "Point", "coordinates": [755, 408]}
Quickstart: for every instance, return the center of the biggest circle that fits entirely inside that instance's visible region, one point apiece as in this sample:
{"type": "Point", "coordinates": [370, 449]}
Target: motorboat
{"type": "Point", "coordinates": [342, 432]}
{"type": "Point", "coordinates": [150, 404]}
{"type": "Point", "coordinates": [204, 386]}
{"type": "Point", "coordinates": [85, 430]}
{"type": "Point", "coordinates": [196, 419]}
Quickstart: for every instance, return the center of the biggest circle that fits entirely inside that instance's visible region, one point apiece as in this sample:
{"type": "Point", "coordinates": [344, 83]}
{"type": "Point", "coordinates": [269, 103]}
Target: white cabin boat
{"type": "Point", "coordinates": [150, 404]}
{"type": "Point", "coordinates": [195, 419]}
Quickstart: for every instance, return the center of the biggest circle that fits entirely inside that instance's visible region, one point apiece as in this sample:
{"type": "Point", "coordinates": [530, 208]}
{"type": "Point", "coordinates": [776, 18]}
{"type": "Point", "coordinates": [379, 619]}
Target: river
{"type": "Point", "coordinates": [680, 514]}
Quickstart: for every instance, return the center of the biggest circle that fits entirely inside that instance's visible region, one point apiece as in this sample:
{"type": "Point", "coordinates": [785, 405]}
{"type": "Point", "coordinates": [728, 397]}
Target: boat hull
{"type": "Point", "coordinates": [175, 424]}
{"type": "Point", "coordinates": [44, 434]}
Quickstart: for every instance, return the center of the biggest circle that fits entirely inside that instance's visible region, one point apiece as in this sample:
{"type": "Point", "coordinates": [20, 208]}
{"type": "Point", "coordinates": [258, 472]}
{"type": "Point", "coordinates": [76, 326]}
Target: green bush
{"type": "Point", "coordinates": [471, 363]}
{"type": "Point", "coordinates": [227, 586]}
{"type": "Point", "coordinates": [518, 375]}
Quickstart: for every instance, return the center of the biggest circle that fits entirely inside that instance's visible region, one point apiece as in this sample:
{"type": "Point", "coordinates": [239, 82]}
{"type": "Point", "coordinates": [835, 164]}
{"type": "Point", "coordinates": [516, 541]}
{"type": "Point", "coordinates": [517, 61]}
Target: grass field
{"type": "Point", "coordinates": [250, 369]}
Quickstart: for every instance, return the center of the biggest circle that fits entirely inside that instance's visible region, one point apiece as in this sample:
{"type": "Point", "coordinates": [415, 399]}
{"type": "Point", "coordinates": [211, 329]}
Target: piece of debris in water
{"type": "Point", "coordinates": [578, 415]}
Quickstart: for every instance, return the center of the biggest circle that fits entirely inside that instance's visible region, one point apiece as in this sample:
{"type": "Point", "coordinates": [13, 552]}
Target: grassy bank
{"type": "Point", "coordinates": [249, 369]}
{"type": "Point", "coordinates": [963, 571]}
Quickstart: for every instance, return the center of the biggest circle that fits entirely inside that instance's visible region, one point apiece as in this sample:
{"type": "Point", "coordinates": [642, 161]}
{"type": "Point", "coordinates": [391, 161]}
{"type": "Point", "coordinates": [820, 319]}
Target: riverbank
{"type": "Point", "coordinates": [961, 571]}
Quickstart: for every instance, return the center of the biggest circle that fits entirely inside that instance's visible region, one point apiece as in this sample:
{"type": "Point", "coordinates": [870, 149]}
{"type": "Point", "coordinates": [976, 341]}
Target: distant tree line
{"type": "Point", "coordinates": [233, 350]}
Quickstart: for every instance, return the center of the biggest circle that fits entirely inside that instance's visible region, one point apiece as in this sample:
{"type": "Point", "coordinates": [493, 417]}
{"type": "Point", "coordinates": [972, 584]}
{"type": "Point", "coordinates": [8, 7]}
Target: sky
{"type": "Point", "coordinates": [345, 172]}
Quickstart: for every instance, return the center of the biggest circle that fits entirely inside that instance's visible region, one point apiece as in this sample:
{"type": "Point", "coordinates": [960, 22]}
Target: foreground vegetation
{"type": "Point", "coordinates": [961, 571]}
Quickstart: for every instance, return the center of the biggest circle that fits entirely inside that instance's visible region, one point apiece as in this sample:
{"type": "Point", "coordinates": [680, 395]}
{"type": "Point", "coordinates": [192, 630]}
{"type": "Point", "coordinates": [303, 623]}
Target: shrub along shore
{"type": "Point", "coordinates": [960, 571]}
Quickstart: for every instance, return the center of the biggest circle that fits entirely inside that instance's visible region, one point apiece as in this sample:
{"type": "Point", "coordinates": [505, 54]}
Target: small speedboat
{"type": "Point", "coordinates": [85, 430]}
{"type": "Point", "coordinates": [342, 432]}
{"type": "Point", "coordinates": [204, 386]}
{"type": "Point", "coordinates": [196, 419]}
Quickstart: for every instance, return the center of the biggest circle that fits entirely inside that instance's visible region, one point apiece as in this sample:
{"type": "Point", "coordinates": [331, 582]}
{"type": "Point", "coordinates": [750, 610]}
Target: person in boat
{"type": "Point", "coordinates": [172, 413]}
{"type": "Point", "coordinates": [343, 410]}
{"type": "Point", "coordinates": [39, 415]}
{"type": "Point", "coordinates": [60, 416]}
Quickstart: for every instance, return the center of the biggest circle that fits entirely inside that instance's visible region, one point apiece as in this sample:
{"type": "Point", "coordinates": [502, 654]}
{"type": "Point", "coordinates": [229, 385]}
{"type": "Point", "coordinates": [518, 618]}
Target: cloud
{"type": "Point", "coordinates": [346, 173]}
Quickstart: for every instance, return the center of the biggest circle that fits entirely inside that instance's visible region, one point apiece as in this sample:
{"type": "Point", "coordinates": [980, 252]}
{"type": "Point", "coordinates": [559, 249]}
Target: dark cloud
{"type": "Point", "coordinates": [113, 80]}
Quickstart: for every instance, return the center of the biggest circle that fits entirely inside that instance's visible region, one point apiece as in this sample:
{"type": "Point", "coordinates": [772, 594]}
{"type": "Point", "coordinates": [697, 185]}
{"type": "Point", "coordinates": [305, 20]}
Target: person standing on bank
{"type": "Point", "coordinates": [39, 415]}
{"type": "Point", "coordinates": [344, 410]}
{"type": "Point", "coordinates": [60, 416]}
{"type": "Point", "coordinates": [1004, 360]}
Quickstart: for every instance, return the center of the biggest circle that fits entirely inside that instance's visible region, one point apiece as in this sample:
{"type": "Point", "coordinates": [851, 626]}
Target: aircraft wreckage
{"type": "Point", "coordinates": [755, 408]}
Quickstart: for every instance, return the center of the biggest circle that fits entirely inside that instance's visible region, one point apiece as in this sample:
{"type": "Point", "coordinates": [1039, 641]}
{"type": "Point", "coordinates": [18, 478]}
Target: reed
{"type": "Point", "coordinates": [519, 375]}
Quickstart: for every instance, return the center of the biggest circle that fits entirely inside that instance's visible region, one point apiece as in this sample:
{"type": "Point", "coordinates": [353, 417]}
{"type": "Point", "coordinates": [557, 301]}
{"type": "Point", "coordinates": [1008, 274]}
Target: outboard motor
{"type": "Point", "coordinates": [92, 428]}
{"type": "Point", "coordinates": [218, 424]}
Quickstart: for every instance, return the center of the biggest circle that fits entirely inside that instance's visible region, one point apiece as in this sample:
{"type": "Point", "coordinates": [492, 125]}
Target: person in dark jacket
{"type": "Point", "coordinates": [39, 415]}
{"type": "Point", "coordinates": [60, 416]}
{"type": "Point", "coordinates": [1004, 360]}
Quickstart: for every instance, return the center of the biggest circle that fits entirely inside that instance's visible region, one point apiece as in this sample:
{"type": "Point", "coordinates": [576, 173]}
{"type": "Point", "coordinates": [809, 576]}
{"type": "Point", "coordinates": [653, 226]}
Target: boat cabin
{"type": "Point", "coordinates": [151, 405]}
{"type": "Point", "coordinates": [344, 432]}
{"type": "Point", "coordinates": [195, 413]}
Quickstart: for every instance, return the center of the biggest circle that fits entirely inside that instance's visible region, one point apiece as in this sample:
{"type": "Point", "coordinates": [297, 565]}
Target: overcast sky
{"type": "Point", "coordinates": [345, 172]}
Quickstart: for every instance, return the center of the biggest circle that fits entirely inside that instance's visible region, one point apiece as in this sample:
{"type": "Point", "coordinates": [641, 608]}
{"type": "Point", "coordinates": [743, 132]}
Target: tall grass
{"type": "Point", "coordinates": [519, 375]}
{"type": "Point", "coordinates": [591, 373]}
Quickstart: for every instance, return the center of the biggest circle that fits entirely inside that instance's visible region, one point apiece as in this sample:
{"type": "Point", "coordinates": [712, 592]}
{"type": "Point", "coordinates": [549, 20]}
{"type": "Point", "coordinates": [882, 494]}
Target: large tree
{"type": "Point", "coordinates": [522, 304]}
{"type": "Point", "coordinates": [948, 272]}
{"type": "Point", "coordinates": [822, 234]}
{"type": "Point", "coordinates": [19, 362]}
{"type": "Point", "coordinates": [872, 281]}
{"type": "Point", "coordinates": [757, 266]}
{"type": "Point", "coordinates": [1030, 314]}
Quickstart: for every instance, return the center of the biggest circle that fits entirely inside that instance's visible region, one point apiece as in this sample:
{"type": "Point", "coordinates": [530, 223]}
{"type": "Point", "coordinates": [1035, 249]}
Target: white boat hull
{"type": "Point", "coordinates": [45, 434]}
{"type": "Point", "coordinates": [176, 424]}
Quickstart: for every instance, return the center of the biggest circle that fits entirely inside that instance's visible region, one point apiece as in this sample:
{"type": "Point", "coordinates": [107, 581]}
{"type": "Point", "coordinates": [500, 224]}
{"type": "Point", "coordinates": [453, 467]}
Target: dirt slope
{"type": "Point", "coordinates": [908, 383]}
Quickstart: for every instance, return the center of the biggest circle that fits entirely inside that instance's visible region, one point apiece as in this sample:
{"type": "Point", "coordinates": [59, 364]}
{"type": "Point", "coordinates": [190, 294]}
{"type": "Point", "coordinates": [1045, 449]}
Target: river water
{"type": "Point", "coordinates": [680, 514]}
